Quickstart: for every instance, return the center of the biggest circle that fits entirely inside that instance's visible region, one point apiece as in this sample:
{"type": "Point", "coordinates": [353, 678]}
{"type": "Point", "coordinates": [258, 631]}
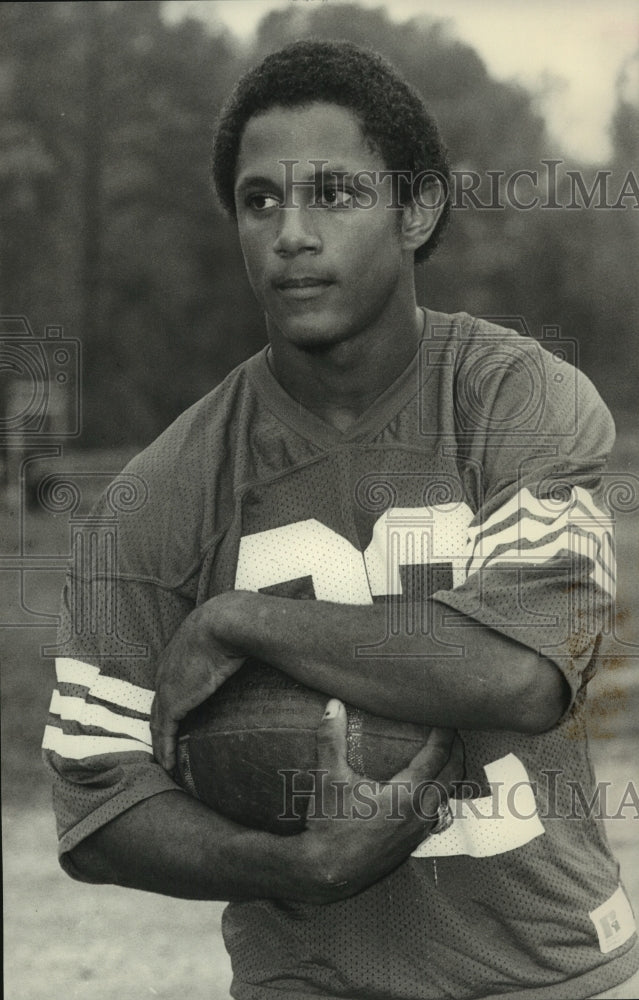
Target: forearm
{"type": "Point", "coordinates": [455, 674]}
{"type": "Point", "coordinates": [174, 845]}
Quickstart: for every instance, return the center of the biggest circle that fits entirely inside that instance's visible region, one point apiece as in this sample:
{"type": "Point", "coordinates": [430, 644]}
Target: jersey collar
{"type": "Point", "coordinates": [377, 416]}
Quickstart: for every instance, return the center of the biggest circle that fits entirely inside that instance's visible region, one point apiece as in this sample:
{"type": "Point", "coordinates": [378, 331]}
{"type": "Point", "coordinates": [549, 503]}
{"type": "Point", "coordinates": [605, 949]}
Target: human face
{"type": "Point", "coordinates": [322, 269]}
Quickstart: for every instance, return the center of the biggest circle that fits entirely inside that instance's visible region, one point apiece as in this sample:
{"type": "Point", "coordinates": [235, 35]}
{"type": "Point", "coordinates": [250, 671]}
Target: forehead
{"type": "Point", "coordinates": [309, 132]}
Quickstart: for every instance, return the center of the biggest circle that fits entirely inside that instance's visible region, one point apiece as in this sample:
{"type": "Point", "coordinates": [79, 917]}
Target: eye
{"type": "Point", "coordinates": [262, 202]}
{"type": "Point", "coordinates": [335, 196]}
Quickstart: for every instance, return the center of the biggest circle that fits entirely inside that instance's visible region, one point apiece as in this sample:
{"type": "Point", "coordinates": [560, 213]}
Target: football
{"type": "Point", "coordinates": [248, 751]}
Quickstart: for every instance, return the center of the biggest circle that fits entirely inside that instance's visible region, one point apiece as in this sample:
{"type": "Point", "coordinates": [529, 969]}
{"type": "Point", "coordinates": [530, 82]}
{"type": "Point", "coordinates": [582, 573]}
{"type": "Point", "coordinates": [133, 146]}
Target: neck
{"type": "Point", "coordinates": [338, 383]}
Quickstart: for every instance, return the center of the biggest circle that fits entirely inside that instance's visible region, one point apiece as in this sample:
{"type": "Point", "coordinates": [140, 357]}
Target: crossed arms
{"type": "Point", "coordinates": [173, 844]}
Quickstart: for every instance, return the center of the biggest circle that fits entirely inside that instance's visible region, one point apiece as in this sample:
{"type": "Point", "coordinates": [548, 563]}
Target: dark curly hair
{"type": "Point", "coordinates": [390, 111]}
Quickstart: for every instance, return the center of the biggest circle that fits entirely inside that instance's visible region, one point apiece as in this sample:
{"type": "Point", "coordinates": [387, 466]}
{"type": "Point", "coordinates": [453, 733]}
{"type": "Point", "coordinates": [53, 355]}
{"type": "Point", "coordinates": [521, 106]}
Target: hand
{"type": "Point", "coordinates": [359, 830]}
{"type": "Point", "coordinates": [191, 668]}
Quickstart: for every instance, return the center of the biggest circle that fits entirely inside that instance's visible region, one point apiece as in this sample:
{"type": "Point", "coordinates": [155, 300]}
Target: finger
{"type": "Point", "coordinates": [430, 802]}
{"type": "Point", "coordinates": [431, 758]}
{"type": "Point", "coordinates": [432, 796]}
{"type": "Point", "coordinates": [173, 702]}
{"type": "Point", "coordinates": [422, 775]}
{"type": "Point", "coordinates": [453, 769]}
{"type": "Point", "coordinates": [167, 750]}
{"type": "Point", "coordinates": [164, 730]}
{"type": "Point", "coordinates": [331, 741]}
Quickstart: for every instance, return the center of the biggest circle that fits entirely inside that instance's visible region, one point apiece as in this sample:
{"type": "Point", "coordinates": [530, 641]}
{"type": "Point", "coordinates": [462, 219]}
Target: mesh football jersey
{"type": "Point", "coordinates": [473, 481]}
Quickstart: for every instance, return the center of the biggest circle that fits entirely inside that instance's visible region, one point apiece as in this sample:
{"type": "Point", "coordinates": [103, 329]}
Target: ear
{"type": "Point", "coordinates": [422, 213]}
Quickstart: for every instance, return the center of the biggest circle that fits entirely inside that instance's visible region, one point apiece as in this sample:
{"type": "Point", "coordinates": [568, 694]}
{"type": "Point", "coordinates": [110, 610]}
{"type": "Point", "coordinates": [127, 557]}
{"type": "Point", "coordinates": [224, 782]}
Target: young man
{"type": "Point", "coordinates": [433, 482]}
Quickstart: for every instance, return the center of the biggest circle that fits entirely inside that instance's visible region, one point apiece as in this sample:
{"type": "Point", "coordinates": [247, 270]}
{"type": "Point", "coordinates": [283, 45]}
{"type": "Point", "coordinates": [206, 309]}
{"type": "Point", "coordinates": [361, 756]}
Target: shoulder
{"type": "Point", "coordinates": [170, 494]}
{"type": "Point", "coordinates": [190, 437]}
{"type": "Point", "coordinates": [510, 382]}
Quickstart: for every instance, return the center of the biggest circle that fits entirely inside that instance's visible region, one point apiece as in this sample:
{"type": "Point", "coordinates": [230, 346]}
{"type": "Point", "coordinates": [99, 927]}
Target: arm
{"type": "Point", "coordinates": [459, 674]}
{"type": "Point", "coordinates": [488, 681]}
{"type": "Point", "coordinates": [173, 844]}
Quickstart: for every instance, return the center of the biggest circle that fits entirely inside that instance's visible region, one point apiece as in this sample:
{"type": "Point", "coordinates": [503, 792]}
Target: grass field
{"type": "Point", "coordinates": [64, 939]}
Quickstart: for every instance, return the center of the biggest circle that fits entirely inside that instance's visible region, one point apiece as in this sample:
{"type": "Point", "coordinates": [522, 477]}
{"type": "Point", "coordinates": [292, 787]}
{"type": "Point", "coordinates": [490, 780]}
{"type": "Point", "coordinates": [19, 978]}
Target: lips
{"type": "Point", "coordinates": [302, 288]}
{"type": "Point", "coordinates": [306, 282]}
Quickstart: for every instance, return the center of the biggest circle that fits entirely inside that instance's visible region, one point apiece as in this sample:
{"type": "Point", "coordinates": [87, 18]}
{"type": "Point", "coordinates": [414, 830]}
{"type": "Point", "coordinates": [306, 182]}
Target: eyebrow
{"type": "Point", "coordinates": [260, 180]}
{"type": "Point", "coordinates": [256, 180]}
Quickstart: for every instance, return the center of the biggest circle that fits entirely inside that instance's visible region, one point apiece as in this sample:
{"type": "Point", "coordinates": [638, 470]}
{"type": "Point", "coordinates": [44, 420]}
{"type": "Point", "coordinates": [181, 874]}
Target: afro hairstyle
{"type": "Point", "coordinates": [391, 113]}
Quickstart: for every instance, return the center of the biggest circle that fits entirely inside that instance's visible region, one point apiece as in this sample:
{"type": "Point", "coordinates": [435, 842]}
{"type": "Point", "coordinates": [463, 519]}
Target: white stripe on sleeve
{"type": "Point", "coordinates": [540, 554]}
{"type": "Point", "coordinates": [78, 710]}
{"type": "Point", "coordinates": [79, 747]}
{"type": "Point", "coordinates": [111, 689]}
{"type": "Point", "coordinates": [522, 501]}
{"type": "Point", "coordinates": [578, 526]}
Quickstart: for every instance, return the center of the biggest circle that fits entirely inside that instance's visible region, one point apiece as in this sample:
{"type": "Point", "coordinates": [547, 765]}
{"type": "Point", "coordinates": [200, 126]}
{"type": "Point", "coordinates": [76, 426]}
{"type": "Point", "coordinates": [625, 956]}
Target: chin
{"type": "Point", "coordinates": [312, 337]}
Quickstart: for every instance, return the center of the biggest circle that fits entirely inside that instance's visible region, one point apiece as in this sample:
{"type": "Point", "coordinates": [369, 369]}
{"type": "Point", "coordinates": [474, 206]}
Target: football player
{"type": "Point", "coordinates": [431, 484]}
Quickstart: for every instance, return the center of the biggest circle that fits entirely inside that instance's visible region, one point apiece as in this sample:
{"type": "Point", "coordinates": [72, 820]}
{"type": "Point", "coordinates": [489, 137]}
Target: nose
{"type": "Point", "coordinates": [296, 232]}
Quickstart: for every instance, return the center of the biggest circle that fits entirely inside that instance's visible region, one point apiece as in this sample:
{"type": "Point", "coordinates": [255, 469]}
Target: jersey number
{"type": "Point", "coordinates": [402, 537]}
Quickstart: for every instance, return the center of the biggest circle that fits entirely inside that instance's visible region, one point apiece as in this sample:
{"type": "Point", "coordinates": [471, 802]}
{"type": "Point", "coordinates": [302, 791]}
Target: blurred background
{"type": "Point", "coordinates": [123, 283]}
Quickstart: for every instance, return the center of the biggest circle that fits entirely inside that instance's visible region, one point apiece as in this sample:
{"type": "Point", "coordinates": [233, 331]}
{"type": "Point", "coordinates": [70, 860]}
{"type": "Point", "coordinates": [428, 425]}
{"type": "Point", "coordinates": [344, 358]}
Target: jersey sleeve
{"type": "Point", "coordinates": [131, 582]}
{"type": "Point", "coordinates": [534, 440]}
{"type": "Point", "coordinates": [97, 741]}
